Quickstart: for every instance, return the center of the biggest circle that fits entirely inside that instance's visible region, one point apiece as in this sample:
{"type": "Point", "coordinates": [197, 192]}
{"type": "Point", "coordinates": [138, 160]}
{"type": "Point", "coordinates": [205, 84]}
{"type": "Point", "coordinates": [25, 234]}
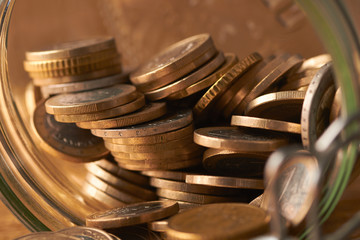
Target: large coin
{"type": "Point", "coordinates": [132, 214]}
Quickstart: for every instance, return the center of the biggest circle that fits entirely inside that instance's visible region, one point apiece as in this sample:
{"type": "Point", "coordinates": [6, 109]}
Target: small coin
{"type": "Point", "coordinates": [171, 175]}
{"type": "Point", "coordinates": [120, 183]}
{"type": "Point", "coordinates": [132, 214]}
{"type": "Point", "coordinates": [282, 106]}
{"type": "Point", "coordinates": [158, 226]}
{"type": "Point", "coordinates": [102, 197]}
{"type": "Point", "coordinates": [149, 112]}
{"type": "Point", "coordinates": [85, 85]}
{"type": "Point", "coordinates": [121, 110]}
{"type": "Point", "coordinates": [229, 182]}
{"type": "Point", "coordinates": [262, 123]}
{"type": "Point", "coordinates": [91, 101]}
{"type": "Point", "coordinates": [161, 165]}
{"type": "Point", "coordinates": [233, 163]}
{"type": "Point", "coordinates": [220, 86]}
{"type": "Point", "coordinates": [188, 80]}
{"type": "Point", "coordinates": [65, 141]}
{"type": "Point", "coordinates": [86, 233]}
{"type": "Point", "coordinates": [195, 197]}
{"type": "Point", "coordinates": [232, 138]}
{"type": "Point", "coordinates": [217, 222]}
{"type": "Point", "coordinates": [230, 60]}
{"type": "Point", "coordinates": [72, 49]}
{"type": "Point", "coordinates": [168, 61]}
{"type": "Point", "coordinates": [47, 236]}
{"type": "Point", "coordinates": [155, 139]}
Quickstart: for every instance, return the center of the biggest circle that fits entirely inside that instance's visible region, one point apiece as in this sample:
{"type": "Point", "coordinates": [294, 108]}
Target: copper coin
{"type": "Point", "coordinates": [46, 236]}
{"type": "Point", "coordinates": [336, 106]}
{"type": "Point", "coordinates": [84, 85]}
{"type": "Point", "coordinates": [132, 214]}
{"type": "Point", "coordinates": [157, 161]}
{"type": "Point", "coordinates": [296, 84]}
{"type": "Point", "coordinates": [72, 49]}
{"type": "Point", "coordinates": [171, 175]}
{"type": "Point", "coordinates": [149, 112]}
{"type": "Point", "coordinates": [102, 197]}
{"type": "Point", "coordinates": [158, 226]}
{"type": "Point", "coordinates": [232, 138]}
{"type": "Point", "coordinates": [217, 221]}
{"type": "Point", "coordinates": [161, 165]}
{"type": "Point", "coordinates": [65, 141]}
{"type": "Point", "coordinates": [283, 106]}
{"type": "Point", "coordinates": [257, 202]}
{"type": "Point", "coordinates": [229, 182]}
{"type": "Point", "coordinates": [220, 86]}
{"type": "Point", "coordinates": [91, 101]}
{"type": "Point", "coordinates": [262, 123]}
{"type": "Point", "coordinates": [121, 110]}
{"type": "Point", "coordinates": [188, 80]}
{"type": "Point", "coordinates": [230, 60]}
{"type": "Point", "coordinates": [86, 233]}
{"type": "Point", "coordinates": [169, 60]}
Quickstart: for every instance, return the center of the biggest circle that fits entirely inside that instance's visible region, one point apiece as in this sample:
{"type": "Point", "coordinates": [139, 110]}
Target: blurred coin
{"type": "Point", "coordinates": [233, 138]}
{"type": "Point", "coordinates": [47, 236]}
{"type": "Point", "coordinates": [296, 84]}
{"type": "Point", "coordinates": [336, 106]}
{"type": "Point", "coordinates": [171, 175]}
{"type": "Point", "coordinates": [158, 226]}
{"type": "Point", "coordinates": [160, 165]}
{"type": "Point", "coordinates": [121, 110]}
{"type": "Point", "coordinates": [186, 81]}
{"type": "Point", "coordinates": [262, 123]}
{"type": "Point", "coordinates": [217, 221]}
{"type": "Point", "coordinates": [230, 60]}
{"type": "Point", "coordinates": [86, 233]}
{"type": "Point", "coordinates": [91, 101]}
{"type": "Point", "coordinates": [229, 182]}
{"type": "Point", "coordinates": [102, 197]}
{"type": "Point", "coordinates": [149, 112]}
{"type": "Point", "coordinates": [257, 202]}
{"type": "Point", "coordinates": [132, 214]}
{"type": "Point", "coordinates": [138, 232]}
{"type": "Point", "coordinates": [315, 62]}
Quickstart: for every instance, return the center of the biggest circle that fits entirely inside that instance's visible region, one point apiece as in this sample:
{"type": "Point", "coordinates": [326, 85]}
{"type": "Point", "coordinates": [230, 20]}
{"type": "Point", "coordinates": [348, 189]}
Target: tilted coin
{"type": "Point", "coordinates": [188, 80]}
{"type": "Point", "coordinates": [132, 214]}
{"type": "Point", "coordinates": [170, 122]}
{"type": "Point", "coordinates": [46, 236]}
{"type": "Point", "coordinates": [84, 85]}
{"type": "Point", "coordinates": [233, 163]}
{"type": "Point", "coordinates": [262, 123]}
{"type": "Point", "coordinates": [91, 101]}
{"type": "Point", "coordinates": [218, 221]}
{"type": "Point", "coordinates": [72, 49]}
{"type": "Point", "coordinates": [315, 62]}
{"type": "Point", "coordinates": [282, 106]}
{"type": "Point", "coordinates": [86, 233]}
{"type": "Point", "coordinates": [100, 196]}
{"type": "Point", "coordinates": [220, 86]}
{"type": "Point", "coordinates": [232, 138]}
{"type": "Point", "coordinates": [230, 182]}
{"type": "Point", "coordinates": [296, 84]}
{"type": "Point", "coordinates": [155, 139]}
{"type": "Point", "coordinates": [317, 104]}
{"type": "Point", "coordinates": [230, 60]}
{"type": "Point", "coordinates": [121, 110]}
{"type": "Point", "coordinates": [169, 60]}
{"type": "Point", "coordinates": [149, 112]}
{"type": "Point", "coordinates": [336, 106]}
{"type": "Point", "coordinates": [65, 141]}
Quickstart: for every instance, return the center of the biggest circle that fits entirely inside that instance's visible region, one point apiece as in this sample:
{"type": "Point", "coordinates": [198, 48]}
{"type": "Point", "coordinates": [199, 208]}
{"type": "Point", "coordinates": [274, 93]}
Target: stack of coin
{"type": "Point", "coordinates": [166, 143]}
{"type": "Point", "coordinates": [183, 69]}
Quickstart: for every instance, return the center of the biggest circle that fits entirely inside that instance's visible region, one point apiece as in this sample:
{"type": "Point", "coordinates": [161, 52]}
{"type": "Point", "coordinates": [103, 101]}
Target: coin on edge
{"type": "Point", "coordinates": [132, 214]}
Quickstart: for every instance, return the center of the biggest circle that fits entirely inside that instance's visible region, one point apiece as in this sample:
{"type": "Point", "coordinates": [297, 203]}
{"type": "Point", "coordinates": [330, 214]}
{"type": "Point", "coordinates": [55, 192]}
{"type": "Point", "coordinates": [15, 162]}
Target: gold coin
{"type": "Point", "coordinates": [120, 183]}
{"type": "Point", "coordinates": [158, 161]}
{"type": "Point", "coordinates": [102, 197]}
{"type": "Point", "coordinates": [229, 182]}
{"type": "Point", "coordinates": [155, 139]}
{"type": "Point", "coordinates": [110, 190]}
{"type": "Point", "coordinates": [78, 70]}
{"type": "Point", "coordinates": [77, 78]}
{"type": "Point", "coordinates": [262, 123]}
{"type": "Point", "coordinates": [283, 106]}
{"type": "Point", "coordinates": [175, 144]}
{"type": "Point", "coordinates": [61, 63]}
{"type": "Point", "coordinates": [296, 84]}
{"type": "Point", "coordinates": [85, 233]}
{"type": "Point", "coordinates": [257, 202]}
{"type": "Point", "coordinates": [161, 165]}
{"type": "Point", "coordinates": [336, 106]}
{"type": "Point", "coordinates": [72, 49]}
{"type": "Point", "coordinates": [230, 60]}
{"type": "Point", "coordinates": [158, 226]}
{"type": "Point", "coordinates": [91, 101]}
{"type": "Point", "coordinates": [217, 222]}
{"type": "Point", "coordinates": [65, 141]}
{"type": "Point", "coordinates": [84, 85]}
{"type": "Point", "coordinates": [220, 86]}
{"type": "Point", "coordinates": [269, 79]}
{"type": "Point", "coordinates": [233, 138]}
{"type": "Point", "coordinates": [172, 58]}
{"type": "Point", "coordinates": [130, 176]}
{"type": "Point", "coordinates": [171, 175]}
{"type": "Point", "coordinates": [194, 197]}
{"type": "Point", "coordinates": [132, 214]}
{"type": "Point", "coordinates": [315, 62]}
{"type": "Point", "coordinates": [149, 112]}
{"type": "Point", "coordinates": [233, 163]}
{"type": "Point", "coordinates": [121, 110]}
{"type": "Point", "coordinates": [186, 81]}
